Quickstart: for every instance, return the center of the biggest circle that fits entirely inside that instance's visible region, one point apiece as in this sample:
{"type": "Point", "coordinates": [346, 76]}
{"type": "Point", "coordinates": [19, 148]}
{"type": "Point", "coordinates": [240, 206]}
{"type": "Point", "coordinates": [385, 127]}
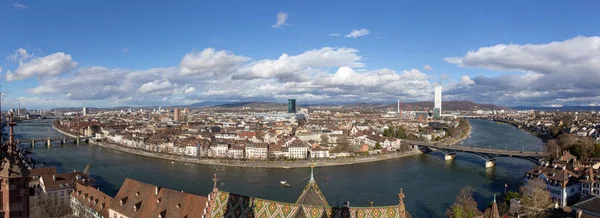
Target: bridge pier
{"type": "Point", "coordinates": [449, 156]}
{"type": "Point", "coordinates": [48, 143]}
{"type": "Point", "coordinates": [77, 141]}
{"type": "Point", "coordinates": [490, 163]}
{"type": "Point", "coordinates": [64, 141]}
{"type": "Point", "coordinates": [32, 143]}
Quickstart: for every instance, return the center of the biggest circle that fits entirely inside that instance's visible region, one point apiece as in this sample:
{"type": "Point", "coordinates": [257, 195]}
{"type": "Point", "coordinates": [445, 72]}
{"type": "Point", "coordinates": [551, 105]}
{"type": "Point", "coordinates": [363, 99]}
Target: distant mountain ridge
{"type": "Point", "coordinates": [446, 105]}
{"type": "Point", "coordinates": [451, 105]}
{"type": "Point", "coordinates": [562, 108]}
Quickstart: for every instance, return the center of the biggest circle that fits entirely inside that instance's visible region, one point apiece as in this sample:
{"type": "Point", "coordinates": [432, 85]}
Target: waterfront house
{"type": "Point", "coordinates": [298, 150]}
{"type": "Point", "coordinates": [319, 153]}
{"type": "Point", "coordinates": [563, 184]}
{"type": "Point", "coordinates": [57, 187]}
{"type": "Point", "coordinates": [34, 179]}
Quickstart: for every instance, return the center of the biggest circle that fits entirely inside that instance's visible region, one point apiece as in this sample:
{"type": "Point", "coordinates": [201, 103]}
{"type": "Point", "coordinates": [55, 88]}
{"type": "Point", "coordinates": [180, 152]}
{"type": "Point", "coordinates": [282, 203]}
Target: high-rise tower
{"type": "Point", "coordinates": [437, 108]}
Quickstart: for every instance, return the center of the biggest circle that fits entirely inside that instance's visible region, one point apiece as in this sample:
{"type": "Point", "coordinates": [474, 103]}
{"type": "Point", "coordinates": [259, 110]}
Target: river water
{"type": "Point", "coordinates": [429, 182]}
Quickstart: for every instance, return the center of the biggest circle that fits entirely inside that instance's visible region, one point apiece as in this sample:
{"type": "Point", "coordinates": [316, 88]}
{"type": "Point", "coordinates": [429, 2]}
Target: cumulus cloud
{"type": "Point", "coordinates": [465, 80]}
{"type": "Point", "coordinates": [281, 19]}
{"type": "Point", "coordinates": [155, 85]}
{"type": "Point", "coordinates": [51, 65]}
{"type": "Point", "coordinates": [287, 67]}
{"type": "Point", "coordinates": [552, 73]}
{"type": "Point", "coordinates": [334, 34]}
{"type": "Point", "coordinates": [427, 67]}
{"type": "Point", "coordinates": [357, 33]}
{"type": "Point", "coordinates": [209, 62]}
{"type": "Point", "coordinates": [190, 90]}
{"type": "Point", "coordinates": [20, 6]}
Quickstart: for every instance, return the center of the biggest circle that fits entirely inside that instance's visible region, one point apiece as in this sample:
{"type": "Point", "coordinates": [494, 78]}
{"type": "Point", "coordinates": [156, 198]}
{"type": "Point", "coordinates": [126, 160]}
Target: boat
{"type": "Point", "coordinates": [285, 184]}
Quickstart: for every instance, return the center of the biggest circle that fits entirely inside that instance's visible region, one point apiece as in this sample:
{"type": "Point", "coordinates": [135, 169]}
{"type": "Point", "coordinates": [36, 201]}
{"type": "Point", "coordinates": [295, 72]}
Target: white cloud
{"type": "Point", "coordinates": [51, 65]}
{"type": "Point", "coordinates": [289, 67]}
{"type": "Point", "coordinates": [20, 54]}
{"type": "Point", "coordinates": [465, 80]}
{"type": "Point", "coordinates": [190, 90]}
{"type": "Point", "coordinates": [20, 6]}
{"type": "Point", "coordinates": [334, 34]}
{"type": "Point", "coordinates": [281, 19]}
{"type": "Point", "coordinates": [155, 85]}
{"type": "Point", "coordinates": [427, 67]}
{"type": "Point", "coordinates": [357, 33]}
{"type": "Point", "coordinates": [211, 63]}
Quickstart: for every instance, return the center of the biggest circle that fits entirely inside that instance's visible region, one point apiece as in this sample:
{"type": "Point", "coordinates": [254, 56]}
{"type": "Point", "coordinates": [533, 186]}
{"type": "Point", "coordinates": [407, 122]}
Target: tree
{"type": "Point", "coordinates": [324, 139]}
{"type": "Point", "coordinates": [377, 145]}
{"type": "Point", "coordinates": [534, 197]}
{"type": "Point", "coordinates": [465, 205]}
{"type": "Point", "coordinates": [566, 141]}
{"type": "Point", "coordinates": [554, 149]}
{"type": "Point", "coordinates": [584, 147]}
{"type": "Point", "coordinates": [510, 195]}
{"type": "Point", "coordinates": [43, 206]}
{"type": "Point", "coordinates": [554, 131]}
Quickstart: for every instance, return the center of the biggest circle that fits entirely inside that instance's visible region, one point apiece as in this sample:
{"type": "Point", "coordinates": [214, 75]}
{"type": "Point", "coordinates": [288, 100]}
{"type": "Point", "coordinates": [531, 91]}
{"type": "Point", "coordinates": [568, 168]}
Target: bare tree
{"type": "Point", "coordinates": [324, 139]}
{"type": "Point", "coordinates": [534, 197]}
{"type": "Point", "coordinates": [465, 205]}
{"type": "Point", "coordinates": [43, 206]}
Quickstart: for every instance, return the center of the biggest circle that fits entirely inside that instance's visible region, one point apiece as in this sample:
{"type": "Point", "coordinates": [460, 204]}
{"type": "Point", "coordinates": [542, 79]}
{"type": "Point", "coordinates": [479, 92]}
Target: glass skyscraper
{"type": "Point", "coordinates": [291, 105]}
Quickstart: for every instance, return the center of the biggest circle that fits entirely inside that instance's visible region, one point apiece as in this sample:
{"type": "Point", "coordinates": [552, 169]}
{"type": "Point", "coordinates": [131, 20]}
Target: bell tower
{"type": "Point", "coordinates": [14, 195]}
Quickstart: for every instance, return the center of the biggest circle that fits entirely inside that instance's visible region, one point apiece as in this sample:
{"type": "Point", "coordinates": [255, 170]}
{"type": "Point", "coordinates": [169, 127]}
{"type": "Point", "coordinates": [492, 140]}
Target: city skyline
{"type": "Point", "coordinates": [122, 54]}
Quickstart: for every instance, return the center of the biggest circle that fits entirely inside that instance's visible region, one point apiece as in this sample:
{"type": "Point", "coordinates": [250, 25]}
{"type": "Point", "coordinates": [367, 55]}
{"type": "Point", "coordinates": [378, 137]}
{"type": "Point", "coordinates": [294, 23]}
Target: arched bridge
{"type": "Point", "coordinates": [49, 141]}
{"type": "Point", "coordinates": [489, 155]}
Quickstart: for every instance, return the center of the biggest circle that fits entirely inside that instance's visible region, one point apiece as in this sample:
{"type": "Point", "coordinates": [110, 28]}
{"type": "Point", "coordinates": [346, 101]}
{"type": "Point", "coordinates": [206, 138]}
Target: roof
{"type": "Point", "coordinates": [64, 180]}
{"type": "Point", "coordinates": [592, 204]}
{"type": "Point", "coordinates": [93, 198]}
{"type": "Point", "coordinates": [312, 195]}
{"type": "Point", "coordinates": [42, 171]}
{"type": "Point", "coordinates": [556, 174]}
{"type": "Point", "coordinates": [138, 199]}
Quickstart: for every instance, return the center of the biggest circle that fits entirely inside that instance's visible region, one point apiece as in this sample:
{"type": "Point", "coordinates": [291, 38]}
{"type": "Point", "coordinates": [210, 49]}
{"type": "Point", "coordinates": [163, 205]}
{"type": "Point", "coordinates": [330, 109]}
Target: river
{"type": "Point", "coordinates": [429, 182]}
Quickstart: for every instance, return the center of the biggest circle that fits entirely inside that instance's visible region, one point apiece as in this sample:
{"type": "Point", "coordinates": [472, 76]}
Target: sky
{"type": "Point", "coordinates": [159, 53]}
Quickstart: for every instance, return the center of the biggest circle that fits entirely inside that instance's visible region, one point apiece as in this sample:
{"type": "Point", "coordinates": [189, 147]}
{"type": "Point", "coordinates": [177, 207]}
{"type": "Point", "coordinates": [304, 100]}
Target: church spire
{"type": "Point", "coordinates": [312, 178]}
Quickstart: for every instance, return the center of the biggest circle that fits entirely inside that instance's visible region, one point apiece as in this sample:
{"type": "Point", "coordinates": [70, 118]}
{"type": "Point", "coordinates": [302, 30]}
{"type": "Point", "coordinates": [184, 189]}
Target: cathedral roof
{"type": "Point", "coordinates": [312, 195]}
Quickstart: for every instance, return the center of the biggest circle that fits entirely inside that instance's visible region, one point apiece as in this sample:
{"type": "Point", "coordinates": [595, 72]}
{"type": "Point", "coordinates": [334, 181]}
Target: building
{"type": "Point", "coordinates": [138, 199]}
{"type": "Point", "coordinates": [14, 179]}
{"type": "Point", "coordinates": [563, 184]}
{"type": "Point", "coordinates": [588, 208]}
{"type": "Point", "coordinates": [84, 110]}
{"type": "Point", "coordinates": [590, 183]}
{"type": "Point", "coordinates": [177, 114]}
{"type": "Point", "coordinates": [291, 105]}
{"type": "Point", "coordinates": [310, 203]}
{"type": "Point", "coordinates": [437, 108]}
{"type": "Point", "coordinates": [58, 187]}
{"type": "Point", "coordinates": [87, 201]}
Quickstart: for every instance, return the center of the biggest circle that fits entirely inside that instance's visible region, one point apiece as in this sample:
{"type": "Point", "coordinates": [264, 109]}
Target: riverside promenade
{"type": "Point", "coordinates": [263, 163]}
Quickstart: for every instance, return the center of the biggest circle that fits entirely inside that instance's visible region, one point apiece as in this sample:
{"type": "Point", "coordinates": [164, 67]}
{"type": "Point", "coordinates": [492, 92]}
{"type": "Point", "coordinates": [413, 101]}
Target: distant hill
{"type": "Point", "coordinates": [451, 105]}
{"type": "Point", "coordinates": [563, 108]}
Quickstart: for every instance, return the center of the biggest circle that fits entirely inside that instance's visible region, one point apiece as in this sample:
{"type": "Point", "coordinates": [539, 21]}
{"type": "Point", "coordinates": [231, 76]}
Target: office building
{"type": "Point", "coordinates": [437, 109]}
{"type": "Point", "coordinates": [291, 105]}
{"type": "Point", "coordinates": [84, 110]}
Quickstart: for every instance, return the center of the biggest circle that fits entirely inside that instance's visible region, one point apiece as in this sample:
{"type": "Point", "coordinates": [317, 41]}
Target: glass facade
{"type": "Point", "coordinates": [291, 105]}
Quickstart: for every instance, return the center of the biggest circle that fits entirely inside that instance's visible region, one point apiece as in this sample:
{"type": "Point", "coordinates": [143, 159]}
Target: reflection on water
{"type": "Point", "coordinates": [429, 182]}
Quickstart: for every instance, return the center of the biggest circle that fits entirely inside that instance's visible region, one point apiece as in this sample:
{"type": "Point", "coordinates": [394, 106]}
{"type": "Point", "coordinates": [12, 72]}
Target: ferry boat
{"type": "Point", "coordinates": [285, 184]}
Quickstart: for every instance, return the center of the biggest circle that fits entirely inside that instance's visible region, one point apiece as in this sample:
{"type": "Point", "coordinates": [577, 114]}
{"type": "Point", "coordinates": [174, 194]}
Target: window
{"type": "Point", "coordinates": [115, 215]}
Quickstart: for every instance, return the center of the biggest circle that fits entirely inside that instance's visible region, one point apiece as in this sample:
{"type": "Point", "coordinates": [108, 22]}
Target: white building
{"type": "Point", "coordinates": [319, 153]}
{"type": "Point", "coordinates": [298, 151]}
{"type": "Point", "coordinates": [438, 100]}
{"type": "Point", "coordinates": [562, 184]}
{"type": "Point", "coordinates": [84, 110]}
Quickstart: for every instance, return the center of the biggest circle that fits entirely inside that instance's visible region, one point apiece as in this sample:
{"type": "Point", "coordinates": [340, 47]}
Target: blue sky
{"type": "Point", "coordinates": [110, 53]}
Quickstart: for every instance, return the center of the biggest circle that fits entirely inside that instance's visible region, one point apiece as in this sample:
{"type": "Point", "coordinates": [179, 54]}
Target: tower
{"type": "Point", "coordinates": [84, 110]}
{"type": "Point", "coordinates": [437, 108]}
{"type": "Point", "coordinates": [177, 114]}
{"type": "Point", "coordinates": [14, 195]}
{"type": "Point", "coordinates": [291, 105]}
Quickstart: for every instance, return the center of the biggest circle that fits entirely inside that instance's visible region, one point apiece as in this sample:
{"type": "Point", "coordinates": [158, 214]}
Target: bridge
{"type": "Point", "coordinates": [49, 141]}
{"type": "Point", "coordinates": [489, 155]}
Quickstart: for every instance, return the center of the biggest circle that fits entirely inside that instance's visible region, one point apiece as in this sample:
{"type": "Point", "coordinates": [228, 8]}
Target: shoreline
{"type": "Point", "coordinates": [263, 163]}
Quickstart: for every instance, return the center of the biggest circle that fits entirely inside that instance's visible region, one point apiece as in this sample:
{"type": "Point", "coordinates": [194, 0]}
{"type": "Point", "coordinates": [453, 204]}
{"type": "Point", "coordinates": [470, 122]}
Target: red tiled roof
{"type": "Point", "coordinates": [93, 198]}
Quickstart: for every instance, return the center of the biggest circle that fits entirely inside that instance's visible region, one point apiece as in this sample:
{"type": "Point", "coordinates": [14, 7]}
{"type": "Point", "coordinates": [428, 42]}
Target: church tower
{"type": "Point", "coordinates": [14, 195]}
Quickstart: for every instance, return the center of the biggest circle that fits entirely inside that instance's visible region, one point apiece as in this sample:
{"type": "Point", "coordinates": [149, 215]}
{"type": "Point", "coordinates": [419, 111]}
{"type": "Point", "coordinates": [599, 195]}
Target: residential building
{"type": "Point", "coordinates": [58, 187]}
{"type": "Point", "coordinates": [563, 184]}
{"type": "Point", "coordinates": [590, 183]}
{"type": "Point", "coordinates": [320, 153]}
{"type": "Point", "coordinates": [89, 202]}
{"type": "Point", "coordinates": [589, 208]}
{"type": "Point", "coordinates": [138, 199]}
{"type": "Point", "coordinates": [177, 114]}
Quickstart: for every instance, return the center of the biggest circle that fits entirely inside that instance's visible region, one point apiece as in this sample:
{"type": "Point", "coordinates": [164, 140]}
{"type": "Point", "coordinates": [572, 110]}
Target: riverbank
{"type": "Point", "coordinates": [264, 163]}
